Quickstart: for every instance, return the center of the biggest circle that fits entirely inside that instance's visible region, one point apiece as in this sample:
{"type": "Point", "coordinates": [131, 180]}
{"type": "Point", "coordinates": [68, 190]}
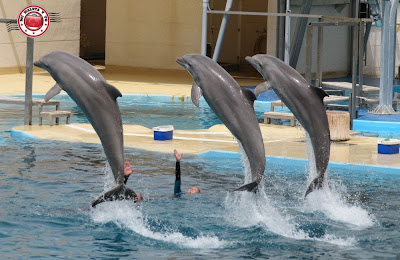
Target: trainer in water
{"type": "Point", "coordinates": [233, 105]}
{"type": "Point", "coordinates": [98, 101]}
{"type": "Point", "coordinates": [305, 102]}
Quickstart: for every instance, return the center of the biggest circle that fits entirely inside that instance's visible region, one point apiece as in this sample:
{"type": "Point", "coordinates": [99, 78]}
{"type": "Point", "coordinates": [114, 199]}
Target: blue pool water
{"type": "Point", "coordinates": [46, 187]}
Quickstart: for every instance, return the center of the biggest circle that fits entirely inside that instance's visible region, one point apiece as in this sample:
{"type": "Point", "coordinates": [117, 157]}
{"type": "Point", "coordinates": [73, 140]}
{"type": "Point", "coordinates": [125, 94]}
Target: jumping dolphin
{"type": "Point", "coordinates": [233, 105]}
{"type": "Point", "coordinates": [305, 102]}
{"type": "Point", "coordinates": [98, 100]}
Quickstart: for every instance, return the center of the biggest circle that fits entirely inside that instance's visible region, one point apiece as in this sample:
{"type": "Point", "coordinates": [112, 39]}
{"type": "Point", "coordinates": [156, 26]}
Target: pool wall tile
{"type": "Point", "coordinates": [21, 135]}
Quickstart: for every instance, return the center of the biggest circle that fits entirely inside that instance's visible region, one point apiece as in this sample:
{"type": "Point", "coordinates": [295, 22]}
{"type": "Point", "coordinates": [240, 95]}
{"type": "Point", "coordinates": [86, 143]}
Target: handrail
{"type": "Point", "coordinates": [8, 20]}
{"type": "Point", "coordinates": [314, 16]}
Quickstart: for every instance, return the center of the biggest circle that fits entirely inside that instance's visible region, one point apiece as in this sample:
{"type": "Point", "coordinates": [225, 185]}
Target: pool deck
{"type": "Point", "coordinates": [283, 141]}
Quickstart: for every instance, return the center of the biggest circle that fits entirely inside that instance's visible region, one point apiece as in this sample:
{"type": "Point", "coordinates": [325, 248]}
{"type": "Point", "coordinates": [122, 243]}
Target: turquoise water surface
{"type": "Point", "coordinates": [46, 188]}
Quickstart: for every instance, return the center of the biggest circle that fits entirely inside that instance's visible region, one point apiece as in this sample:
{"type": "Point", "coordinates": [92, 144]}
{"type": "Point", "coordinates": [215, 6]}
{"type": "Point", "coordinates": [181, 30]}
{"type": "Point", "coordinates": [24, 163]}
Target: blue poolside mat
{"type": "Point", "coordinates": [364, 115]}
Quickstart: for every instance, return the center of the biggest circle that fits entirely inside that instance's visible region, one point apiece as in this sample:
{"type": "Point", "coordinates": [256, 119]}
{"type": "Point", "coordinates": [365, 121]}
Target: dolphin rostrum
{"type": "Point", "coordinates": [305, 102]}
{"type": "Point", "coordinates": [98, 101]}
{"type": "Point", "coordinates": [233, 105]}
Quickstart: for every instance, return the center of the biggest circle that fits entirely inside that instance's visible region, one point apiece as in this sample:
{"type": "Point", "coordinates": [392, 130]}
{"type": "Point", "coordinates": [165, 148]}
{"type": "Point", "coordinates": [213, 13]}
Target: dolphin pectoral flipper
{"type": "Point", "coordinates": [55, 90]}
{"type": "Point", "coordinates": [112, 91]}
{"type": "Point", "coordinates": [262, 88]}
{"type": "Point", "coordinates": [121, 192]}
{"type": "Point", "coordinates": [315, 184]}
{"type": "Point", "coordinates": [196, 94]}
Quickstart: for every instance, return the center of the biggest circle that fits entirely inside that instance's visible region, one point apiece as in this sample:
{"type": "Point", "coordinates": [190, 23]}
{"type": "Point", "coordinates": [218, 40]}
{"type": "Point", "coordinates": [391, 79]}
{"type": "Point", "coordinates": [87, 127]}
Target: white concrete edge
{"type": "Point", "coordinates": [177, 138]}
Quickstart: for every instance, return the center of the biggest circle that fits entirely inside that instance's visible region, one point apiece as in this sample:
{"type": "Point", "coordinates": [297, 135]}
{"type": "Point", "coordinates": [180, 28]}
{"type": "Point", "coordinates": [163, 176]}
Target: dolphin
{"type": "Point", "coordinates": [234, 107]}
{"type": "Point", "coordinates": [98, 101]}
{"type": "Point", "coordinates": [305, 102]}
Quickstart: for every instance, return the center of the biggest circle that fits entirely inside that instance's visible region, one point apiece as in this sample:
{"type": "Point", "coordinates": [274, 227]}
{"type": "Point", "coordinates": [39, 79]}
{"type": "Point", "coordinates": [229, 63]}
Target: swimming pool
{"type": "Point", "coordinates": [46, 186]}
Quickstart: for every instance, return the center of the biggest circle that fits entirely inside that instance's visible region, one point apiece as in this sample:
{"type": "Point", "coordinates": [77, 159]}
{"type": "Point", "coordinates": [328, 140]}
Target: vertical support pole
{"type": "Point", "coordinates": [309, 53]}
{"type": "Point", "coordinates": [299, 33]}
{"type": "Point", "coordinates": [319, 58]}
{"type": "Point", "coordinates": [388, 38]}
{"type": "Point", "coordinates": [353, 100]}
{"type": "Point", "coordinates": [204, 28]}
{"type": "Point", "coordinates": [28, 81]}
{"type": "Point", "coordinates": [287, 34]}
{"type": "Point", "coordinates": [239, 35]}
{"type": "Point", "coordinates": [280, 33]}
{"type": "Point", "coordinates": [361, 59]}
{"type": "Point", "coordinates": [222, 30]}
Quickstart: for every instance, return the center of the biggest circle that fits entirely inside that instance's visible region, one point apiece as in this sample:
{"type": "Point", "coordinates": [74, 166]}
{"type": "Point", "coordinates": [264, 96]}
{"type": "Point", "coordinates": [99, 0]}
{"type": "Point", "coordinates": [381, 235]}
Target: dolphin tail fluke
{"type": "Point", "coordinates": [252, 186]}
{"type": "Point", "coordinates": [315, 185]}
{"type": "Point", "coordinates": [121, 192]}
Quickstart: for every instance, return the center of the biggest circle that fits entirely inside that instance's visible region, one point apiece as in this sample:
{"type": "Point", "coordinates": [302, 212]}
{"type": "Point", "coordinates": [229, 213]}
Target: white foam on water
{"type": "Point", "coordinates": [332, 203]}
{"type": "Point", "coordinates": [332, 239]}
{"type": "Point", "coordinates": [246, 209]}
{"type": "Point", "coordinates": [329, 199]}
{"type": "Point", "coordinates": [127, 215]}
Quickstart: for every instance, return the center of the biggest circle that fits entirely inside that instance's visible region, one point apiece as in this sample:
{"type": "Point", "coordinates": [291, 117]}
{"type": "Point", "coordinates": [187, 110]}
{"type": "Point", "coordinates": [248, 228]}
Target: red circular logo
{"type": "Point", "coordinates": [33, 21]}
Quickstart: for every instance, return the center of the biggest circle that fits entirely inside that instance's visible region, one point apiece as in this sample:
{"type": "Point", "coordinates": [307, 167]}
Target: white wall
{"type": "Point", "coordinates": [60, 36]}
{"type": "Point", "coordinates": [152, 33]}
{"type": "Point", "coordinates": [336, 42]}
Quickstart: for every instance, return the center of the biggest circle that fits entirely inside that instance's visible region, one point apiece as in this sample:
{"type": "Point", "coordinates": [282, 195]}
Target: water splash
{"type": "Point", "coordinates": [246, 164]}
{"type": "Point", "coordinates": [311, 158]}
{"type": "Point", "coordinates": [126, 215]}
{"type": "Point", "coordinates": [246, 209]}
{"type": "Point", "coordinates": [331, 201]}
{"type": "Point", "coordinates": [108, 178]}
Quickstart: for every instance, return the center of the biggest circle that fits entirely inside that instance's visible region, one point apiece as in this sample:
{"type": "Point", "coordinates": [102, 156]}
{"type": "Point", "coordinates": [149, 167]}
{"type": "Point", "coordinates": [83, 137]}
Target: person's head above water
{"type": "Point", "coordinates": [193, 190]}
{"type": "Point", "coordinates": [139, 197]}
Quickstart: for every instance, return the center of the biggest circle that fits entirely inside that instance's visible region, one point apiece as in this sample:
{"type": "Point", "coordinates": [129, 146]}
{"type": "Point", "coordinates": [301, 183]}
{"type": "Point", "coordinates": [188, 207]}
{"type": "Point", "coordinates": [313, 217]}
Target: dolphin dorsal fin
{"type": "Point", "coordinates": [262, 88]}
{"type": "Point", "coordinates": [196, 94]}
{"type": "Point", "coordinates": [320, 92]}
{"type": "Point", "coordinates": [112, 91]}
{"type": "Point", "coordinates": [249, 95]}
{"type": "Point", "coordinates": [55, 90]}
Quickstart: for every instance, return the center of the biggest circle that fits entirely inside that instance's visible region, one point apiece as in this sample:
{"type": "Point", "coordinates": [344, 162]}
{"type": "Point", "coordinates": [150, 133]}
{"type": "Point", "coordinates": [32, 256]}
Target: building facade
{"type": "Point", "coordinates": [153, 33]}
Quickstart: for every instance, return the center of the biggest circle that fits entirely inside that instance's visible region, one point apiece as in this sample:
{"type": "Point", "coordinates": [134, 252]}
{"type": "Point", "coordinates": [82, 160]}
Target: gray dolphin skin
{"type": "Point", "coordinates": [98, 100]}
{"type": "Point", "coordinates": [233, 105]}
{"type": "Point", "coordinates": [305, 102]}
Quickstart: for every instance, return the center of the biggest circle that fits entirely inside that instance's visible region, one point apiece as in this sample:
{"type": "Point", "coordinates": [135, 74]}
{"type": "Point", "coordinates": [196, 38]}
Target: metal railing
{"type": "Point", "coordinates": [358, 24]}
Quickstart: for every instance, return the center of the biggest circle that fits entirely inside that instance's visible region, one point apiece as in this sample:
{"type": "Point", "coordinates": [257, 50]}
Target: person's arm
{"type": "Point", "coordinates": [177, 186]}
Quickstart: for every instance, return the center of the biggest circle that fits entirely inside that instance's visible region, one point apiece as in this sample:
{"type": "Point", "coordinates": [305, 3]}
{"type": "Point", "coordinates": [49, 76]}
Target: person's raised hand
{"type": "Point", "coordinates": [178, 156]}
{"type": "Point", "coordinates": [127, 169]}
